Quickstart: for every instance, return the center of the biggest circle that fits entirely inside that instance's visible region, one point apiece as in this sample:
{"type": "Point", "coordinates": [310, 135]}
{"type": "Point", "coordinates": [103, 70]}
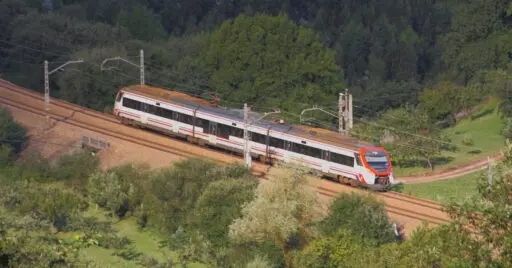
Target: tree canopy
{"type": "Point", "coordinates": [271, 62]}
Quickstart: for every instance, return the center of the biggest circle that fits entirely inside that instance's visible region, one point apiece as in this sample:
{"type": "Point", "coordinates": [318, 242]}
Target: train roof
{"type": "Point", "coordinates": [167, 95]}
{"type": "Point", "coordinates": [306, 132]}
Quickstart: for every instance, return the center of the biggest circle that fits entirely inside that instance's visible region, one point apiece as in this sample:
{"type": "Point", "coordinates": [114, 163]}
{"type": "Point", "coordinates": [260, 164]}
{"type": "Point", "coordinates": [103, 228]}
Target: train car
{"type": "Point", "coordinates": [343, 158]}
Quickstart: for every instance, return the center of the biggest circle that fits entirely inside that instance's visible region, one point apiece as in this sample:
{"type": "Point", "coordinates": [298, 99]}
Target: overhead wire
{"type": "Point", "coordinates": [205, 91]}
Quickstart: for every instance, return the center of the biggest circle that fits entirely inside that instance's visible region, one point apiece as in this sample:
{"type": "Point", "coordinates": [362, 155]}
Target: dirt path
{"type": "Point", "coordinates": [450, 173]}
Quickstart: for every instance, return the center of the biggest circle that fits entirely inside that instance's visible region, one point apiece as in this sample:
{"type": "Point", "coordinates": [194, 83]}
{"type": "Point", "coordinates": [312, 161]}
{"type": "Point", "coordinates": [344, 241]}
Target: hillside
{"type": "Point", "coordinates": [476, 137]}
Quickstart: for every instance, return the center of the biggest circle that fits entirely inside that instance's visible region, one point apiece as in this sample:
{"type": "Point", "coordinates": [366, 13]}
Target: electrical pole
{"type": "Point", "coordinates": [47, 85]}
{"type": "Point", "coordinates": [350, 113]}
{"type": "Point", "coordinates": [140, 65]}
{"type": "Point", "coordinates": [247, 149]}
{"type": "Point", "coordinates": [247, 154]}
{"type": "Point", "coordinates": [46, 92]}
{"type": "Point", "coordinates": [340, 113]}
{"type": "Point", "coordinates": [142, 80]}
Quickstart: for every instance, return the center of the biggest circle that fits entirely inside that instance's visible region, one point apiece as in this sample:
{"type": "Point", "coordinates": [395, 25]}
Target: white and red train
{"type": "Point", "coordinates": [343, 158]}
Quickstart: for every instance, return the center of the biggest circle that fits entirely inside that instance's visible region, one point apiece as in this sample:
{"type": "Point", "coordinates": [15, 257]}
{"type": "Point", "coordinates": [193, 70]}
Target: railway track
{"type": "Point", "coordinates": [403, 208]}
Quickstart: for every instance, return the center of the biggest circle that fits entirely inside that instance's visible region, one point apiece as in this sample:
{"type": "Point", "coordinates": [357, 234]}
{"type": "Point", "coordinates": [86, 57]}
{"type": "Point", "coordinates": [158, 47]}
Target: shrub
{"type": "Point", "coordinates": [259, 262]}
{"type": "Point", "coordinates": [362, 215]}
{"type": "Point", "coordinates": [6, 155]}
{"type": "Point", "coordinates": [221, 203]}
{"type": "Point", "coordinates": [76, 168]}
{"type": "Point", "coordinates": [172, 193]}
{"type": "Point", "coordinates": [333, 251]}
{"type": "Point", "coordinates": [109, 191]}
{"type": "Point", "coordinates": [50, 202]}
{"type": "Point", "coordinates": [34, 167]}
{"type": "Point", "coordinates": [11, 133]}
{"type": "Point", "coordinates": [467, 139]}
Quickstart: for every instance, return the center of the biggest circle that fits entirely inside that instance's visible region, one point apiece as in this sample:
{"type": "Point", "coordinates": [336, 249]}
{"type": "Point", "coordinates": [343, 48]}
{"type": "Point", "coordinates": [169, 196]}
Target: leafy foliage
{"type": "Point", "coordinates": [408, 133]}
{"type": "Point", "coordinates": [334, 250]}
{"type": "Point", "coordinates": [489, 215]}
{"type": "Point", "coordinates": [364, 216]}
{"type": "Point", "coordinates": [282, 208]}
{"type": "Point", "coordinates": [270, 62]}
{"type": "Point", "coordinates": [75, 168]}
{"type": "Point", "coordinates": [12, 134]}
{"type": "Point", "coordinates": [221, 203]}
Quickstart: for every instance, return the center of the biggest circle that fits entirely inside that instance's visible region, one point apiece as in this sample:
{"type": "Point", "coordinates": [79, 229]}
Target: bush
{"type": "Point", "coordinates": [76, 168]}
{"type": "Point", "coordinates": [333, 251]}
{"type": "Point", "coordinates": [34, 167]}
{"type": "Point", "coordinates": [49, 202]}
{"type": "Point", "coordinates": [109, 191]}
{"type": "Point", "coordinates": [467, 139]}
{"type": "Point", "coordinates": [221, 203]}
{"type": "Point", "coordinates": [6, 155]}
{"type": "Point", "coordinates": [363, 215]}
{"type": "Point", "coordinates": [11, 133]}
{"type": "Point", "coordinates": [172, 193]}
{"type": "Point", "coordinates": [507, 129]}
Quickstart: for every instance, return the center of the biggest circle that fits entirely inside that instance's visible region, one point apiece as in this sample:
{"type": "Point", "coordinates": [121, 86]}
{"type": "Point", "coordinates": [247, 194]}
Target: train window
{"type": "Point", "coordinates": [119, 96]}
{"type": "Point", "coordinates": [187, 119]}
{"type": "Point", "coordinates": [223, 131]}
{"type": "Point", "coordinates": [325, 155]}
{"type": "Point", "coordinates": [132, 104]}
{"type": "Point", "coordinates": [176, 116]}
{"type": "Point", "coordinates": [151, 109]}
{"type": "Point", "coordinates": [277, 143]}
{"type": "Point", "coordinates": [198, 122]}
{"type": "Point", "coordinates": [205, 126]}
{"type": "Point", "coordinates": [237, 132]}
{"type": "Point", "coordinates": [313, 152]}
{"type": "Point", "coordinates": [167, 113]}
{"type": "Point", "coordinates": [358, 159]}
{"type": "Point", "coordinates": [342, 159]}
{"type": "Point", "coordinates": [259, 138]}
{"type": "Point", "coordinates": [299, 148]}
{"type": "Point", "coordinates": [288, 146]}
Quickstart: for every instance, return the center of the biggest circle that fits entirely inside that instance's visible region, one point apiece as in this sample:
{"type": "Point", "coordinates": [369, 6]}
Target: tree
{"type": "Point", "coordinates": [221, 203]}
{"type": "Point", "coordinates": [283, 208]}
{"type": "Point", "coordinates": [334, 250]}
{"type": "Point", "coordinates": [37, 37]}
{"type": "Point", "coordinates": [141, 23]}
{"type": "Point", "coordinates": [107, 190]}
{"type": "Point", "coordinates": [270, 62]}
{"type": "Point", "coordinates": [489, 214]}
{"type": "Point", "coordinates": [362, 215]}
{"type": "Point", "coordinates": [410, 134]}
{"type": "Point", "coordinates": [442, 100]}
{"type": "Point", "coordinates": [500, 83]}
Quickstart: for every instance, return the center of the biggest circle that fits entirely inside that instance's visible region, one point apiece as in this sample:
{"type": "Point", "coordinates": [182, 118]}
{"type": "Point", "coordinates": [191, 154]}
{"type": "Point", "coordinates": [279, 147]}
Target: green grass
{"type": "Point", "coordinates": [456, 189]}
{"type": "Point", "coordinates": [485, 130]}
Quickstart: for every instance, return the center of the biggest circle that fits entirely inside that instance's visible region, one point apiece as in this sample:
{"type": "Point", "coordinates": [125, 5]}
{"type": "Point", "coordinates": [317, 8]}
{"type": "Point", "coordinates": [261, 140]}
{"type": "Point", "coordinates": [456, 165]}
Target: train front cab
{"type": "Point", "coordinates": [373, 166]}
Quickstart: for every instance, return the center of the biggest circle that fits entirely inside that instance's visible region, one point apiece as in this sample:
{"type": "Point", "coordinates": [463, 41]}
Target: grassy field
{"type": "Point", "coordinates": [144, 241]}
{"type": "Point", "coordinates": [485, 131]}
{"type": "Point", "coordinates": [456, 189]}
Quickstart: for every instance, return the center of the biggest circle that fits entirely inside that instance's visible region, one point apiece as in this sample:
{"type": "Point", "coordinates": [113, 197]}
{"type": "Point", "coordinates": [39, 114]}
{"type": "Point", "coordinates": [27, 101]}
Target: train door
{"type": "Point", "coordinates": [288, 147]}
{"type": "Point", "coordinates": [144, 115]}
{"type": "Point", "coordinates": [325, 163]}
{"type": "Point", "coordinates": [212, 130]}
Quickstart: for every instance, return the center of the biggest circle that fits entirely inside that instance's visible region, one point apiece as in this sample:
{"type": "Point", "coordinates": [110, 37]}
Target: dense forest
{"type": "Point", "coordinates": [299, 53]}
{"type": "Point", "coordinates": [424, 63]}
